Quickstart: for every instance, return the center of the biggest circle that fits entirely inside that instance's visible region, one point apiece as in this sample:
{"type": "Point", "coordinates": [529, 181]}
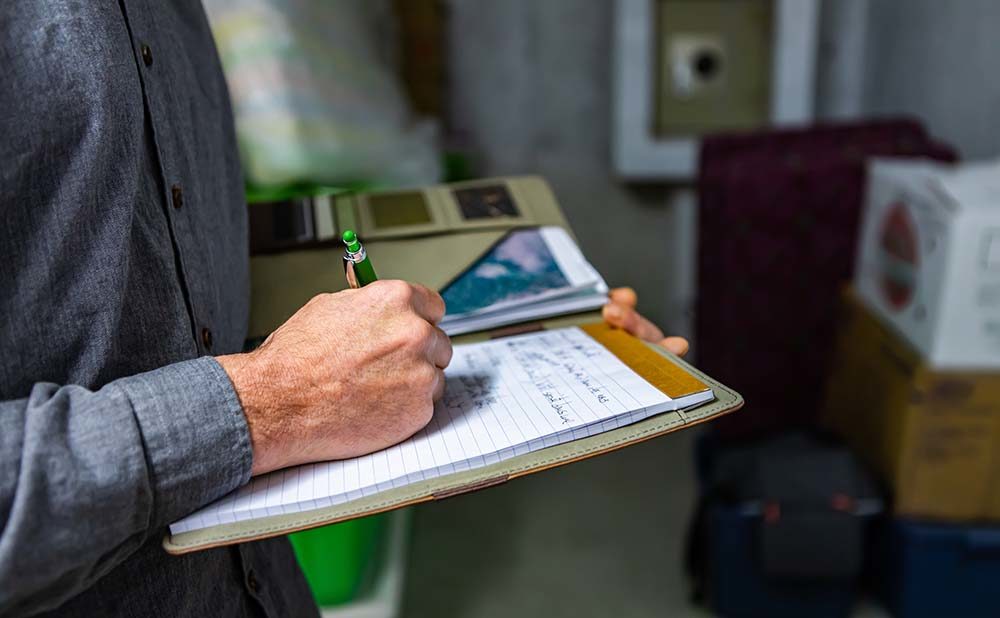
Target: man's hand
{"type": "Point", "coordinates": [350, 373]}
{"type": "Point", "coordinates": [620, 311]}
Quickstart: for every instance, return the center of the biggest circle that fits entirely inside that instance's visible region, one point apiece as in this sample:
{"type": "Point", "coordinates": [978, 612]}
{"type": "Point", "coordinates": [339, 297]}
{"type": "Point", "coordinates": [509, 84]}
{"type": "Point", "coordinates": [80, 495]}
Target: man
{"type": "Point", "coordinates": [124, 404]}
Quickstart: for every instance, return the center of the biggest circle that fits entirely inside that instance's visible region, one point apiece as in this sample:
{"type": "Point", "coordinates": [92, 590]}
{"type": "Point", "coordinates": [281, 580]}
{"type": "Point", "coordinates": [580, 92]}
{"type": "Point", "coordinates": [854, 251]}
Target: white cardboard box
{"type": "Point", "coordinates": [929, 258]}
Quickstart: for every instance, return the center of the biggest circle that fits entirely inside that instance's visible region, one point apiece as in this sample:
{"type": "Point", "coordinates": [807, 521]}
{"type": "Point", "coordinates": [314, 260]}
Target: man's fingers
{"type": "Point", "coordinates": [676, 345]}
{"type": "Point", "coordinates": [439, 386]}
{"type": "Point", "coordinates": [624, 296]}
{"type": "Point", "coordinates": [630, 320]}
{"type": "Point", "coordinates": [621, 312]}
{"type": "Point", "coordinates": [440, 350]}
{"type": "Point", "coordinates": [427, 303]}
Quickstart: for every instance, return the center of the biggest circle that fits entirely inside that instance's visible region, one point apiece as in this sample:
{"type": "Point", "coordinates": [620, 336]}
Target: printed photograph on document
{"type": "Point", "coordinates": [525, 266]}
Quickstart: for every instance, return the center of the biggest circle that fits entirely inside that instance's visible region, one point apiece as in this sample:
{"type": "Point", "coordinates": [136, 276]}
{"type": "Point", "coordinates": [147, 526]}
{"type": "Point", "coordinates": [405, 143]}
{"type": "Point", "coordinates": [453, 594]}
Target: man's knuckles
{"type": "Point", "coordinates": [442, 385]}
{"type": "Point", "coordinates": [443, 350]}
{"type": "Point", "coordinates": [392, 292]}
{"type": "Point", "coordinates": [416, 334]}
{"type": "Point", "coordinates": [424, 379]}
{"type": "Point", "coordinates": [423, 414]}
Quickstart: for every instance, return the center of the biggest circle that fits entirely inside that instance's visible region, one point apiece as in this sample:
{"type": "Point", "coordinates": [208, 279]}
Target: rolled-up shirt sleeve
{"type": "Point", "coordinates": [86, 476]}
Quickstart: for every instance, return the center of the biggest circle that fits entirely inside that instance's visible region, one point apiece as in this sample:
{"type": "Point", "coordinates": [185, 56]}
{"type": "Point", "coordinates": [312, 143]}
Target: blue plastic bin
{"type": "Point", "coordinates": [941, 570]}
{"type": "Point", "coordinates": [738, 589]}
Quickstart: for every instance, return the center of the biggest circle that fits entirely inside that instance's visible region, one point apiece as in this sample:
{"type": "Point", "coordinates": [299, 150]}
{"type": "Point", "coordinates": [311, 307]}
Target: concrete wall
{"type": "Point", "coordinates": [940, 61]}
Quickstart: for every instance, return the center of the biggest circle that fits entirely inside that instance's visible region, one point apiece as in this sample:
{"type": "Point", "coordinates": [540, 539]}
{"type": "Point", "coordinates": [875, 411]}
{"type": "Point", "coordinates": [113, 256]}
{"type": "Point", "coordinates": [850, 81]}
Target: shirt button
{"type": "Point", "coordinates": [177, 196]}
{"type": "Point", "coordinates": [206, 338]}
{"type": "Point", "coordinates": [252, 582]}
{"type": "Point", "coordinates": [147, 54]}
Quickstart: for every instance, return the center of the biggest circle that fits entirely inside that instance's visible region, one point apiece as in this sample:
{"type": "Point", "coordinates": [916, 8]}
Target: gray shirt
{"type": "Point", "coordinates": [123, 269]}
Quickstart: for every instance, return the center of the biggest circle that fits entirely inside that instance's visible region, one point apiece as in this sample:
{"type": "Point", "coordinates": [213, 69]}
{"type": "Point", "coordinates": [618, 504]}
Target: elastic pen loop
{"type": "Point", "coordinates": [352, 277]}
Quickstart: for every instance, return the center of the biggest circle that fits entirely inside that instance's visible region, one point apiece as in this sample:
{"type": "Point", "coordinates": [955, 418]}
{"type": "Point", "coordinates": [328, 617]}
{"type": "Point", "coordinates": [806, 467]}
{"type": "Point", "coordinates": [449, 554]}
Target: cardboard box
{"type": "Point", "coordinates": [929, 258]}
{"type": "Point", "coordinates": [933, 436]}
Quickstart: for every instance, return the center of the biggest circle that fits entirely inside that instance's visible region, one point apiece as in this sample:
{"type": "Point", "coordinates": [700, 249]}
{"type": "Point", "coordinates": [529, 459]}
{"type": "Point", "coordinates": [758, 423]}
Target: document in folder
{"type": "Point", "coordinates": [530, 274]}
{"type": "Point", "coordinates": [503, 398]}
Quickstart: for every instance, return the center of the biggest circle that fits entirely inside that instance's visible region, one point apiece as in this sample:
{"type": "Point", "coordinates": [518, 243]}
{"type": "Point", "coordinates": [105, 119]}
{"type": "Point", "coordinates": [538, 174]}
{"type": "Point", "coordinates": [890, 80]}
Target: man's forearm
{"type": "Point", "coordinates": [86, 476]}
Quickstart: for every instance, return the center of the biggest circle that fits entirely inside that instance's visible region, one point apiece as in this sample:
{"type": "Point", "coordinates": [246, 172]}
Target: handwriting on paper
{"type": "Point", "coordinates": [502, 398]}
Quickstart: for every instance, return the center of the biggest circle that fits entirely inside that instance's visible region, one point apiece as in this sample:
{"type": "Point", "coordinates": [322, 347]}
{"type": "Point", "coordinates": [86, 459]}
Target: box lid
{"type": "Point", "coordinates": [964, 187]}
{"type": "Point", "coordinates": [972, 186]}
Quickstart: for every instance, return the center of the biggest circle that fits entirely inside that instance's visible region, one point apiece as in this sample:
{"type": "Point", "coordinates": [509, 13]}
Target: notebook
{"type": "Point", "coordinates": [530, 274]}
{"type": "Point", "coordinates": [504, 398]}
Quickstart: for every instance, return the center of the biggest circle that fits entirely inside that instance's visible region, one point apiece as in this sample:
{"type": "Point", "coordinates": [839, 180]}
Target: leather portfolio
{"type": "Point", "coordinates": [429, 236]}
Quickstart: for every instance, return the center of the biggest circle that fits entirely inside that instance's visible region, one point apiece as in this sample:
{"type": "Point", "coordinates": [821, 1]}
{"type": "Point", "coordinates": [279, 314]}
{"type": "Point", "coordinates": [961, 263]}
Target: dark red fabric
{"type": "Point", "coordinates": [778, 220]}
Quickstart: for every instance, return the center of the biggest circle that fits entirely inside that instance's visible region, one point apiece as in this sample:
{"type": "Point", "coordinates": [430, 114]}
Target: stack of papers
{"type": "Point", "coordinates": [531, 274]}
{"type": "Point", "coordinates": [503, 398]}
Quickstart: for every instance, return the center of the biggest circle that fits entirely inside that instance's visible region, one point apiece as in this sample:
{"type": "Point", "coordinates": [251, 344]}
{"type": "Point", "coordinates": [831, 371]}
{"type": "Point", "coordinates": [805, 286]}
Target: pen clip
{"type": "Point", "coordinates": [352, 277]}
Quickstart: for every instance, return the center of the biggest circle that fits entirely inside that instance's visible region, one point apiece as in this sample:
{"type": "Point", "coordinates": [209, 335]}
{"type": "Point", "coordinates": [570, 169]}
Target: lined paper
{"type": "Point", "coordinates": [503, 398]}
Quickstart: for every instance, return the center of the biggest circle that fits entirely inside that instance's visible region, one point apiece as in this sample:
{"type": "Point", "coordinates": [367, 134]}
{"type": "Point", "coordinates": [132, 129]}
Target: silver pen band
{"type": "Point", "coordinates": [357, 256]}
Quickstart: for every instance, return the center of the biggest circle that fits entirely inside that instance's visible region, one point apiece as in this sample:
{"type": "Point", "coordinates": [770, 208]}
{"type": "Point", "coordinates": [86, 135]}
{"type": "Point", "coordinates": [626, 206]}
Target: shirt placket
{"type": "Point", "coordinates": [156, 75]}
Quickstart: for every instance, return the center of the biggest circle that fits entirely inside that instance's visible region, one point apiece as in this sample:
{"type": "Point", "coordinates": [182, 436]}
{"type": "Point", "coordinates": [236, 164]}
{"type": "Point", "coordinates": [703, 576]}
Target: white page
{"type": "Point", "coordinates": [570, 259]}
{"type": "Point", "coordinates": [534, 311]}
{"type": "Point", "coordinates": [503, 398]}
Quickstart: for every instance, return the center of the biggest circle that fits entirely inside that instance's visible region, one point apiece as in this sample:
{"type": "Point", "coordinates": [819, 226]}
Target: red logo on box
{"type": "Point", "coordinates": [898, 256]}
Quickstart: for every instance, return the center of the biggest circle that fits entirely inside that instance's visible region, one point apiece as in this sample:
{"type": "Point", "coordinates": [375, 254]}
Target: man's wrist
{"type": "Point", "coordinates": [245, 373]}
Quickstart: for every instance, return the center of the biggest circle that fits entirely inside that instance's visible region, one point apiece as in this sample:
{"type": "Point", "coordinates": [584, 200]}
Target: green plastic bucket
{"type": "Point", "coordinates": [340, 560]}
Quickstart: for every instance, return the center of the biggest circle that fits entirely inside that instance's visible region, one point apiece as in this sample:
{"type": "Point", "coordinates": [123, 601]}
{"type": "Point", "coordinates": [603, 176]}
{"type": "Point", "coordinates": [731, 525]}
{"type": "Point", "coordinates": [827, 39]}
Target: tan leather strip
{"type": "Point", "coordinates": [517, 329]}
{"type": "Point", "coordinates": [464, 489]}
{"type": "Point", "coordinates": [669, 378]}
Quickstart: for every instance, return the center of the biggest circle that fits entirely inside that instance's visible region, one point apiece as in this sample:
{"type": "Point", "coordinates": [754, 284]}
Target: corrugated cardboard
{"type": "Point", "coordinates": [933, 436]}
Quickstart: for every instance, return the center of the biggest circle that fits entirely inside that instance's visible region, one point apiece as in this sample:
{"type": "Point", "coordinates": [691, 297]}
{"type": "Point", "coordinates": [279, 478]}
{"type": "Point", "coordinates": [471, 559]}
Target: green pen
{"type": "Point", "coordinates": [357, 266]}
